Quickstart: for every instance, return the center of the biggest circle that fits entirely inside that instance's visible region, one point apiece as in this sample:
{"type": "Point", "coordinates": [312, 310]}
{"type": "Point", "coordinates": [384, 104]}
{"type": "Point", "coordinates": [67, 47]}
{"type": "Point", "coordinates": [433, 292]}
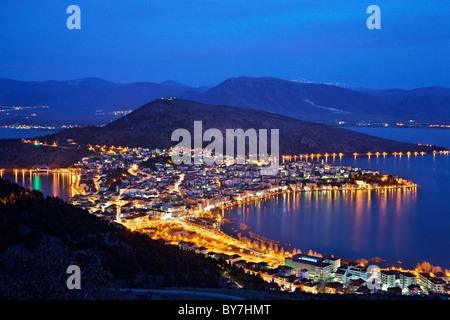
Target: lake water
{"type": "Point", "coordinates": [50, 184]}
{"type": "Point", "coordinates": [406, 225]}
{"type": "Point", "coordinates": [22, 133]}
{"type": "Point", "coordinates": [410, 226]}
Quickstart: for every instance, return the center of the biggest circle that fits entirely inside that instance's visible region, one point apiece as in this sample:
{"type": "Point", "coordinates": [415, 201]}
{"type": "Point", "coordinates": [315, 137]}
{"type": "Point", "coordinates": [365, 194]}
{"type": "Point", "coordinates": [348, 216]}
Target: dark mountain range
{"type": "Point", "coordinates": [89, 82]}
{"type": "Point", "coordinates": [431, 103]}
{"type": "Point", "coordinates": [308, 101]}
{"type": "Point", "coordinates": [152, 125]}
{"type": "Point", "coordinates": [323, 102]}
{"type": "Point", "coordinates": [84, 101]}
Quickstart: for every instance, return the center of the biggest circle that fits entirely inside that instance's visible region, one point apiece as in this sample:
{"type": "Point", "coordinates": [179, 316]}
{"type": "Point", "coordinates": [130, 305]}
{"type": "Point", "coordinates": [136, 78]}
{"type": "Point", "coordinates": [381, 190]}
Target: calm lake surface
{"type": "Point", "coordinates": [50, 184]}
{"type": "Point", "coordinates": [406, 225]}
{"type": "Point", "coordinates": [410, 226]}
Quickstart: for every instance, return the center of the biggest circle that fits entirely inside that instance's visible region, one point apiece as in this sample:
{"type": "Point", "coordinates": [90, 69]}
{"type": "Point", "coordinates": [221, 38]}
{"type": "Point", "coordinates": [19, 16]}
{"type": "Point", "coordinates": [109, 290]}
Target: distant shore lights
{"type": "Point", "coordinates": [377, 154]}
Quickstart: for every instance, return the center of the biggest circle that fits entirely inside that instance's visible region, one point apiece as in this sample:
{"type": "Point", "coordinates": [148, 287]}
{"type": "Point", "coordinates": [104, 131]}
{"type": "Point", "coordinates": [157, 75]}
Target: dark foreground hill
{"type": "Point", "coordinates": [17, 155]}
{"type": "Point", "coordinates": [41, 236]}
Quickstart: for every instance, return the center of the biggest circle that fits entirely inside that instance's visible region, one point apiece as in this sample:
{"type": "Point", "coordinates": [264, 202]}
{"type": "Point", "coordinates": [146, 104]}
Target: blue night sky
{"type": "Point", "coordinates": [205, 42]}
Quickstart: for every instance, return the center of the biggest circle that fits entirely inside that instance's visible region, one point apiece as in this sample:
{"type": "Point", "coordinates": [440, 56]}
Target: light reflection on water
{"type": "Point", "coordinates": [50, 184]}
{"type": "Point", "coordinates": [410, 225]}
{"type": "Point", "coordinates": [352, 219]}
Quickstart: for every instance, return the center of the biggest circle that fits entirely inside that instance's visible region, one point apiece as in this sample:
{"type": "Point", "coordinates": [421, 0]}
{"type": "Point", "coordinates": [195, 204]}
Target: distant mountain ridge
{"type": "Point", "coordinates": [308, 101]}
{"type": "Point", "coordinates": [325, 102]}
{"type": "Point", "coordinates": [83, 100]}
{"type": "Point", "coordinates": [152, 125]}
{"type": "Point", "coordinates": [420, 103]}
{"type": "Point", "coordinates": [337, 84]}
{"type": "Point", "coordinates": [92, 81]}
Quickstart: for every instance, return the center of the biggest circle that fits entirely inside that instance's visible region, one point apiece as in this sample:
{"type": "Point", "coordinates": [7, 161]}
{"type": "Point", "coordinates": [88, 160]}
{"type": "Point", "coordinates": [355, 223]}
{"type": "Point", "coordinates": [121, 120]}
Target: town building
{"type": "Point", "coordinates": [431, 283]}
{"type": "Point", "coordinates": [316, 267]}
{"type": "Point", "coordinates": [388, 279]}
{"type": "Point", "coordinates": [407, 279]}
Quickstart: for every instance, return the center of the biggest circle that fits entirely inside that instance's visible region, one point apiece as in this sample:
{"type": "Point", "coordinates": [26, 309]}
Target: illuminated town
{"type": "Point", "coordinates": [224, 157]}
{"type": "Point", "coordinates": [183, 205]}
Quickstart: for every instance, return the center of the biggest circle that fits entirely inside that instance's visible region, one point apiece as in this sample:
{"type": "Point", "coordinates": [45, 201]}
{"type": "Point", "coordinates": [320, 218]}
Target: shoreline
{"type": "Point", "coordinates": [289, 191]}
{"type": "Point", "coordinates": [283, 192]}
{"type": "Point", "coordinates": [255, 198]}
